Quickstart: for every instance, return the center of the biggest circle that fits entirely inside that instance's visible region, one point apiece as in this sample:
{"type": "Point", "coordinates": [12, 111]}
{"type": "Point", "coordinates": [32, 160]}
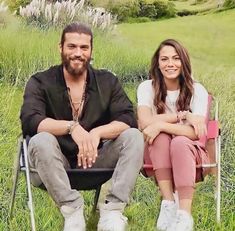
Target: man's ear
{"type": "Point", "coordinates": [60, 48]}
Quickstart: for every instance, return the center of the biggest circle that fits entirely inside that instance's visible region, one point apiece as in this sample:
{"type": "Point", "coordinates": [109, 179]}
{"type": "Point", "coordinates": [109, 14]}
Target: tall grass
{"type": "Point", "coordinates": [127, 52]}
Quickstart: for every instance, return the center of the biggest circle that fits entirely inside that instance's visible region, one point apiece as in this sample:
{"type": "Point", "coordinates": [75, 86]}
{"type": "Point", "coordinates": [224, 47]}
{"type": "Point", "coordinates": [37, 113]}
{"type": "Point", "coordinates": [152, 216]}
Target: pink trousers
{"type": "Point", "coordinates": [176, 159]}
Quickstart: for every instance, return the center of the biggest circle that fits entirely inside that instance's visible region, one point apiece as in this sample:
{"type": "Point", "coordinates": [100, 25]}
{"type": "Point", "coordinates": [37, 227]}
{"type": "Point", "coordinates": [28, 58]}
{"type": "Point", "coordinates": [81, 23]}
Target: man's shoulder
{"type": "Point", "coordinates": [48, 74]}
{"type": "Point", "coordinates": [104, 73]}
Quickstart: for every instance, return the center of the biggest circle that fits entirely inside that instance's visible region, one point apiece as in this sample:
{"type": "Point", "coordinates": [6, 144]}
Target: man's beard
{"type": "Point", "coordinates": [71, 70]}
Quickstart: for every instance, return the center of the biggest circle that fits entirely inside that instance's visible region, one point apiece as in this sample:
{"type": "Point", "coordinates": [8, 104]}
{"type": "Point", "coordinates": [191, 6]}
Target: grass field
{"type": "Point", "coordinates": [190, 5]}
{"type": "Point", "coordinates": [127, 52]}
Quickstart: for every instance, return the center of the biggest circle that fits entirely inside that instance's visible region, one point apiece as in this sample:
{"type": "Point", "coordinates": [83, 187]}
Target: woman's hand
{"type": "Point", "coordinates": [151, 132]}
{"type": "Point", "coordinates": [198, 123]}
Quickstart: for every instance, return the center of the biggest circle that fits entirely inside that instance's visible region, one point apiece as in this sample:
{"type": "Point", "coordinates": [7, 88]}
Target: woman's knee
{"type": "Point", "coordinates": [180, 145]}
{"type": "Point", "coordinates": [162, 139]}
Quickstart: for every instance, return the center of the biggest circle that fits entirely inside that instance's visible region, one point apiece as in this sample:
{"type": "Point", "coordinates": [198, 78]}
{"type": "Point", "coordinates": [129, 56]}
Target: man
{"type": "Point", "coordinates": [70, 111]}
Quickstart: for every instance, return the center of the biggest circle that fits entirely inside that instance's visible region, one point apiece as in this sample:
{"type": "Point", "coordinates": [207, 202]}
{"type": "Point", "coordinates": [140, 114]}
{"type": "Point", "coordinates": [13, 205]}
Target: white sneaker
{"type": "Point", "coordinates": [73, 218]}
{"type": "Point", "coordinates": [182, 222]}
{"type": "Point", "coordinates": [111, 218]}
{"type": "Point", "coordinates": [166, 215]}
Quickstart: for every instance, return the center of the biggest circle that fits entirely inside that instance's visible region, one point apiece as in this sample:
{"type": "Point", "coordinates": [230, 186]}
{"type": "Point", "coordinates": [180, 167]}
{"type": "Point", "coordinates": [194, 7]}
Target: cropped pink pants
{"type": "Point", "coordinates": [176, 159]}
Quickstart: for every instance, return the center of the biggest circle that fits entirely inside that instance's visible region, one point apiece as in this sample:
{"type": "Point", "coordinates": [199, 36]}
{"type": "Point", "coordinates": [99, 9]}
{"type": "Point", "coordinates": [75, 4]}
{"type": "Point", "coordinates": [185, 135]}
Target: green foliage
{"type": "Point", "coordinates": [137, 20]}
{"type": "Point", "coordinates": [199, 2]}
{"type": "Point", "coordinates": [164, 9]}
{"type": "Point", "coordinates": [186, 12]}
{"type": "Point", "coordinates": [142, 8]}
{"type": "Point", "coordinates": [14, 5]}
{"type": "Point", "coordinates": [123, 10]}
{"type": "Point", "coordinates": [229, 3]}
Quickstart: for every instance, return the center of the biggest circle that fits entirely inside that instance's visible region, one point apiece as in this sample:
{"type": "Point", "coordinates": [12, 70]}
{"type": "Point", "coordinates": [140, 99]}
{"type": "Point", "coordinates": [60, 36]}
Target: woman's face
{"type": "Point", "coordinates": [169, 63]}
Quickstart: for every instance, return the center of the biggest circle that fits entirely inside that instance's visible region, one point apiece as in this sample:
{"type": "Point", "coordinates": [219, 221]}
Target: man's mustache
{"type": "Point", "coordinates": [77, 58]}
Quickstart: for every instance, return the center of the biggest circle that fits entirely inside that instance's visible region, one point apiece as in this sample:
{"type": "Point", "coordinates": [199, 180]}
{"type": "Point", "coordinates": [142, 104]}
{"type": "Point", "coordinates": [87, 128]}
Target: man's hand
{"type": "Point", "coordinates": [87, 144]}
{"type": "Point", "coordinates": [151, 132]}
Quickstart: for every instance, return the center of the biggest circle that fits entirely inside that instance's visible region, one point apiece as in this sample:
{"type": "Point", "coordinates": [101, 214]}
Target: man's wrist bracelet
{"type": "Point", "coordinates": [71, 125]}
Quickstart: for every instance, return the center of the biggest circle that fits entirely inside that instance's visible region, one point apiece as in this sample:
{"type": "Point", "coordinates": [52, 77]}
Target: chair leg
{"type": "Point", "coordinates": [15, 179]}
{"type": "Point", "coordinates": [96, 198]}
{"type": "Point", "coordinates": [30, 198]}
{"type": "Point", "coordinates": [218, 183]}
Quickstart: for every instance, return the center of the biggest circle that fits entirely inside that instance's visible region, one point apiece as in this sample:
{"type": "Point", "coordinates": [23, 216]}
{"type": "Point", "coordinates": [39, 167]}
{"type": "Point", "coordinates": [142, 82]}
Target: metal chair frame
{"type": "Point", "coordinates": [213, 132]}
{"type": "Point", "coordinates": [75, 175]}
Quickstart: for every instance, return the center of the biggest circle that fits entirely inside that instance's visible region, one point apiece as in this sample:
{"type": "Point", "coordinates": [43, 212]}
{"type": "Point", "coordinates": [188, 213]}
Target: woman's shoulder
{"type": "Point", "coordinates": [145, 84]}
{"type": "Point", "coordinates": [198, 87]}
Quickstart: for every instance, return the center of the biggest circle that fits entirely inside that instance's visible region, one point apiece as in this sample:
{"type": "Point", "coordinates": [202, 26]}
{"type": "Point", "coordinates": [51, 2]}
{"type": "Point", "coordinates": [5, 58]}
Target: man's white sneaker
{"type": "Point", "coordinates": [182, 222]}
{"type": "Point", "coordinates": [111, 217]}
{"type": "Point", "coordinates": [166, 215]}
{"type": "Point", "coordinates": [73, 218]}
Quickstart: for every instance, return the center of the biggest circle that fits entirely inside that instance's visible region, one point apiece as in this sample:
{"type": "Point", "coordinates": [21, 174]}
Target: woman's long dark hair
{"type": "Point", "coordinates": [185, 78]}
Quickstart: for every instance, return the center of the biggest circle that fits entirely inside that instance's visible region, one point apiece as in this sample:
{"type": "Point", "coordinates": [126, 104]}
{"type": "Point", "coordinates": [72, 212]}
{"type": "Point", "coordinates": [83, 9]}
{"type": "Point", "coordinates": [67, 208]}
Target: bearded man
{"type": "Point", "coordinates": [80, 117]}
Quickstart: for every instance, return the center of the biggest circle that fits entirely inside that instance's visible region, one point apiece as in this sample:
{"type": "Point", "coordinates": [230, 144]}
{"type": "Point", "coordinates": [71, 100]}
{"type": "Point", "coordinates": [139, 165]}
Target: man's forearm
{"type": "Point", "coordinates": [55, 127]}
{"type": "Point", "coordinates": [111, 130]}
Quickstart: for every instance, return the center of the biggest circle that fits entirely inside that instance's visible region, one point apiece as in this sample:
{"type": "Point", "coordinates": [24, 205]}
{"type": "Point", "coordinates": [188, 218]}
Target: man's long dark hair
{"type": "Point", "coordinates": [185, 78]}
{"type": "Point", "coordinates": [79, 28]}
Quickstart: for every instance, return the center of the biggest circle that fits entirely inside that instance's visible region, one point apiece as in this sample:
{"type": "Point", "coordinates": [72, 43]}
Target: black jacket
{"type": "Point", "coordinates": [46, 95]}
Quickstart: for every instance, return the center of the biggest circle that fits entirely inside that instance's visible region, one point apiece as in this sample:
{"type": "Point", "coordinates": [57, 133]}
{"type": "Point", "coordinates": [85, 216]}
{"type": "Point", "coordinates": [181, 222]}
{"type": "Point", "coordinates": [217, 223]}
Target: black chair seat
{"type": "Point", "coordinates": [88, 179]}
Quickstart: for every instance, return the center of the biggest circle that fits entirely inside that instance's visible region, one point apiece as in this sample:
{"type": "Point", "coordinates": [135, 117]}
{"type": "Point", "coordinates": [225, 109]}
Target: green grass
{"type": "Point", "coordinates": [190, 5]}
{"type": "Point", "coordinates": [127, 52]}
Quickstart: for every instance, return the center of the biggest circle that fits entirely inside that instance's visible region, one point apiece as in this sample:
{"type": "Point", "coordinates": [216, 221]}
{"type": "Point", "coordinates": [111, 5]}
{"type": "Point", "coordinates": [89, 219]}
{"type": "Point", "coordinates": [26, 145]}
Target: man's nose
{"type": "Point", "coordinates": [78, 51]}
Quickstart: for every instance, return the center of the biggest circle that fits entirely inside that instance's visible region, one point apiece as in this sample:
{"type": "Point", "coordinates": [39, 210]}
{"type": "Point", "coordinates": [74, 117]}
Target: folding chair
{"type": "Point", "coordinates": [213, 145]}
{"type": "Point", "coordinates": [80, 179]}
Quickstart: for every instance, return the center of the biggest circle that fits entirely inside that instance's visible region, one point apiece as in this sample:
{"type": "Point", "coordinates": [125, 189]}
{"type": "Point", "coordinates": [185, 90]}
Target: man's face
{"type": "Point", "coordinates": [76, 53]}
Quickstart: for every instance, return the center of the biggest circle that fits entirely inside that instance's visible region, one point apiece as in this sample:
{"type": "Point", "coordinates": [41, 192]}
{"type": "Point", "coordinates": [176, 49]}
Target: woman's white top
{"type": "Point", "coordinates": [198, 105]}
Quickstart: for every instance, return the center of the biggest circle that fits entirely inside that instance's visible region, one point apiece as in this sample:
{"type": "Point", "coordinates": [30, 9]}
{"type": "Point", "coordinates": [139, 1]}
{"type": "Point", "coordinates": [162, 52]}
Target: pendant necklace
{"type": "Point", "coordinates": [76, 110]}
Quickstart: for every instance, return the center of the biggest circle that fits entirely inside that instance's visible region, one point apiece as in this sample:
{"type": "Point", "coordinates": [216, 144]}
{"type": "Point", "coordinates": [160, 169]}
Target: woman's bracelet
{"type": "Point", "coordinates": [181, 115]}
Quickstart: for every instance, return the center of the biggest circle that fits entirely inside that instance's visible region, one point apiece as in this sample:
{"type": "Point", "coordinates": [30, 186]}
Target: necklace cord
{"type": "Point", "coordinates": [76, 112]}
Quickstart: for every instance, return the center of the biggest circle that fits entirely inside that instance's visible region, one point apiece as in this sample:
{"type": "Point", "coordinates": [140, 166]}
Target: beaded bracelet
{"type": "Point", "coordinates": [181, 115]}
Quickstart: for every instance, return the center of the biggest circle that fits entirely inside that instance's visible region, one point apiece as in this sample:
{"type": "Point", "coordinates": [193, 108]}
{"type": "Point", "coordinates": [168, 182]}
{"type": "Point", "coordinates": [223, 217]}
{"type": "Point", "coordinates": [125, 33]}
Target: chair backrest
{"type": "Point", "coordinates": [208, 140]}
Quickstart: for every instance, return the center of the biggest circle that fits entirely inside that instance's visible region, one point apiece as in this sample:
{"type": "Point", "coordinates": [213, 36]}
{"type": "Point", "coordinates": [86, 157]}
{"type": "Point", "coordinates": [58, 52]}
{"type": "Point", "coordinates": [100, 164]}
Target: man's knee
{"type": "Point", "coordinates": [133, 137]}
{"type": "Point", "coordinates": [133, 141]}
{"type": "Point", "coordinates": [42, 143]}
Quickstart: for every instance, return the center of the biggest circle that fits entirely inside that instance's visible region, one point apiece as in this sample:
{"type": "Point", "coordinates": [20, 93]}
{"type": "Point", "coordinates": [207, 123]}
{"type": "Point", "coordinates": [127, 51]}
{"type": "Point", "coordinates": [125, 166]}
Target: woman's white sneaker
{"type": "Point", "coordinates": [166, 215]}
{"type": "Point", "coordinates": [182, 222]}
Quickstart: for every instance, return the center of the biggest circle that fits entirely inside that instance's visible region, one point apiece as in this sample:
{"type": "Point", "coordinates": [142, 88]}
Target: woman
{"type": "Point", "coordinates": [172, 110]}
